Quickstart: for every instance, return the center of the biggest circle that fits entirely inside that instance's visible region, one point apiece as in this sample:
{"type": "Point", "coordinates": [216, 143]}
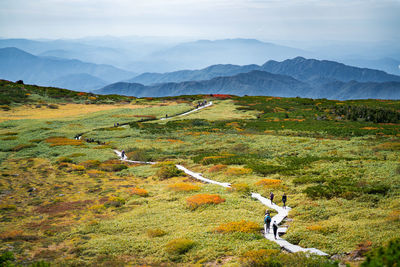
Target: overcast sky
{"type": "Point", "coordinates": [361, 20]}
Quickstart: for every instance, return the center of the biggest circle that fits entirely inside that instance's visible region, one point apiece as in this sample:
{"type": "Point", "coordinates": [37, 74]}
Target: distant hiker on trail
{"type": "Point", "coordinates": [271, 197]}
{"type": "Point", "coordinates": [284, 198]}
{"type": "Point", "coordinates": [267, 223]}
{"type": "Point", "coordinates": [275, 228]}
{"type": "Point", "coordinates": [123, 154]}
{"type": "Point", "coordinates": [166, 115]}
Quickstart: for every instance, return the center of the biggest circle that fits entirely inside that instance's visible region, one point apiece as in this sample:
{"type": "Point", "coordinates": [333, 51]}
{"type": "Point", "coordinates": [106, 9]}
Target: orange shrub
{"type": "Point", "coordinates": [269, 182]}
{"type": "Point", "coordinates": [62, 141]}
{"type": "Point", "coordinates": [242, 226]}
{"type": "Point", "coordinates": [139, 191]}
{"type": "Point", "coordinates": [237, 171]}
{"type": "Point", "coordinates": [203, 199]}
{"type": "Point", "coordinates": [183, 187]}
{"type": "Point", "coordinates": [217, 168]}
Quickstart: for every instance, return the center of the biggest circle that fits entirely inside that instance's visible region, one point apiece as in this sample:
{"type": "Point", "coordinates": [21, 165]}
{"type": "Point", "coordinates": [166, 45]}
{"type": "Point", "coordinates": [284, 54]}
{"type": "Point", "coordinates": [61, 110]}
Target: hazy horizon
{"type": "Point", "coordinates": [266, 20]}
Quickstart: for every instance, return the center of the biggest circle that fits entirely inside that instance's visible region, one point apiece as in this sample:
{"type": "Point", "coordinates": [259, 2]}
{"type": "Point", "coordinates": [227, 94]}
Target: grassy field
{"type": "Point", "coordinates": [71, 202]}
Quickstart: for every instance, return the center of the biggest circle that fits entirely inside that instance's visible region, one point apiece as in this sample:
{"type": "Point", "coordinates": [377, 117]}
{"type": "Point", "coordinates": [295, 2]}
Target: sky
{"type": "Point", "coordinates": [350, 20]}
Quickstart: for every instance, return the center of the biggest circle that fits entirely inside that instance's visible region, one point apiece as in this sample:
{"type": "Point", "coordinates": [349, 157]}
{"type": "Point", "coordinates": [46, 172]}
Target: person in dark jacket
{"type": "Point", "coordinates": [122, 154]}
{"type": "Point", "coordinates": [267, 223]}
{"type": "Point", "coordinates": [271, 197]}
{"type": "Point", "coordinates": [284, 198]}
{"type": "Point", "coordinates": [275, 229]}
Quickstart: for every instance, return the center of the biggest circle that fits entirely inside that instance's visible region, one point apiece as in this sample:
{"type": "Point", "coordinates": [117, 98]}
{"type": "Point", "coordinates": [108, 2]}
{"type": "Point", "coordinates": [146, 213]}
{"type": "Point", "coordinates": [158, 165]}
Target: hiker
{"type": "Point", "coordinates": [267, 223]}
{"type": "Point", "coordinates": [266, 212]}
{"type": "Point", "coordinates": [284, 198]}
{"type": "Point", "coordinates": [275, 228]}
{"type": "Point", "coordinates": [123, 154]}
{"type": "Point", "coordinates": [271, 197]}
{"type": "Point", "coordinates": [166, 115]}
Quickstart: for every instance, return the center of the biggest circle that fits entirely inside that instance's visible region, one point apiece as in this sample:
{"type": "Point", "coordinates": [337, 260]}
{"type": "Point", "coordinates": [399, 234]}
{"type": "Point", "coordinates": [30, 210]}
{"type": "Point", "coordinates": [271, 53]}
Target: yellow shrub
{"type": "Point", "coordinates": [242, 226]}
{"type": "Point", "coordinates": [269, 182]}
{"type": "Point", "coordinates": [315, 227]}
{"type": "Point", "coordinates": [77, 168]}
{"type": "Point", "coordinates": [203, 199]}
{"type": "Point", "coordinates": [394, 216]}
{"type": "Point", "coordinates": [155, 232]}
{"type": "Point", "coordinates": [242, 188]}
{"type": "Point", "coordinates": [179, 246]}
{"type": "Point", "coordinates": [217, 168]}
{"type": "Point", "coordinates": [139, 191]}
{"type": "Point", "coordinates": [257, 257]}
{"type": "Point", "coordinates": [62, 141]}
{"type": "Point", "coordinates": [237, 171]}
{"type": "Point", "coordinates": [183, 187]}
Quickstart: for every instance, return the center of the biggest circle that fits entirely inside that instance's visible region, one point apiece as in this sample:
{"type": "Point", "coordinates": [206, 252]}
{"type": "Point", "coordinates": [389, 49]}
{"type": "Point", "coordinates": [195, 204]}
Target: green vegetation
{"type": "Point", "coordinates": [73, 203]}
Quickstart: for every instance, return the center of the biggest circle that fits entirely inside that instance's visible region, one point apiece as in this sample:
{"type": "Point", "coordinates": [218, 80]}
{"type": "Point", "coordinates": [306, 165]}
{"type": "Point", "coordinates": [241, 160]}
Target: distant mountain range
{"type": "Point", "coordinates": [299, 68]}
{"type": "Point", "coordinates": [294, 77]}
{"type": "Point", "coordinates": [16, 64]}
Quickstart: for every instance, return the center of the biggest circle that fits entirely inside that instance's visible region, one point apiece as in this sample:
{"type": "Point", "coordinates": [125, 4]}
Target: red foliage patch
{"type": "Point", "coordinates": [221, 96]}
{"type": "Point", "coordinates": [63, 206]}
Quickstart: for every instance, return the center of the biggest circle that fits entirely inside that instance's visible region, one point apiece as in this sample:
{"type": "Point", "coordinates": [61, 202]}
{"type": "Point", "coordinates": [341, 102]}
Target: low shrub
{"type": "Point", "coordinates": [389, 146]}
{"type": "Point", "coordinates": [384, 256]}
{"type": "Point", "coordinates": [179, 246]}
{"type": "Point", "coordinates": [169, 170]}
{"type": "Point", "coordinates": [203, 199]}
{"type": "Point", "coordinates": [273, 258]}
{"type": "Point", "coordinates": [139, 192]}
{"type": "Point", "coordinates": [91, 164]}
{"type": "Point", "coordinates": [111, 167]}
{"type": "Point", "coordinates": [394, 216]}
{"type": "Point", "coordinates": [155, 232]}
{"type": "Point", "coordinates": [62, 141]}
{"type": "Point", "coordinates": [265, 169]}
{"type": "Point", "coordinates": [64, 159]}
{"type": "Point", "coordinates": [22, 146]}
{"type": "Point", "coordinates": [138, 154]}
{"type": "Point", "coordinates": [257, 257]}
{"type": "Point", "coordinates": [270, 183]}
{"type": "Point", "coordinates": [94, 173]}
{"type": "Point", "coordinates": [237, 171]}
{"type": "Point", "coordinates": [217, 168]}
{"type": "Point", "coordinates": [183, 187]}
{"type": "Point", "coordinates": [241, 226]}
{"type": "Point", "coordinates": [8, 138]}
{"type": "Point", "coordinates": [115, 202]}
{"type": "Point", "coordinates": [241, 188]}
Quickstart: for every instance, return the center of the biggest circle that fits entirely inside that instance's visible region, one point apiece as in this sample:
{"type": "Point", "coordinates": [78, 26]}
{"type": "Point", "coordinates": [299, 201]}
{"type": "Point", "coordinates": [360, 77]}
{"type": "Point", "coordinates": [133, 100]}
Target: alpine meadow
{"type": "Point", "coordinates": [69, 201]}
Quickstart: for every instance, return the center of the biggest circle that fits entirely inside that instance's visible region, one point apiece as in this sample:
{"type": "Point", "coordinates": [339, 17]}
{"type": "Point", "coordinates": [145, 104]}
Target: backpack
{"type": "Point", "coordinates": [267, 219]}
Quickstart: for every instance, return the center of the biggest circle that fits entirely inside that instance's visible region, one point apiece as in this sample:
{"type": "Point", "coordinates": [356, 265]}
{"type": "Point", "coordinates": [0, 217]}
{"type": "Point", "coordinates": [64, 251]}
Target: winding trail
{"type": "Point", "coordinates": [187, 113]}
{"type": "Point", "coordinates": [282, 212]}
